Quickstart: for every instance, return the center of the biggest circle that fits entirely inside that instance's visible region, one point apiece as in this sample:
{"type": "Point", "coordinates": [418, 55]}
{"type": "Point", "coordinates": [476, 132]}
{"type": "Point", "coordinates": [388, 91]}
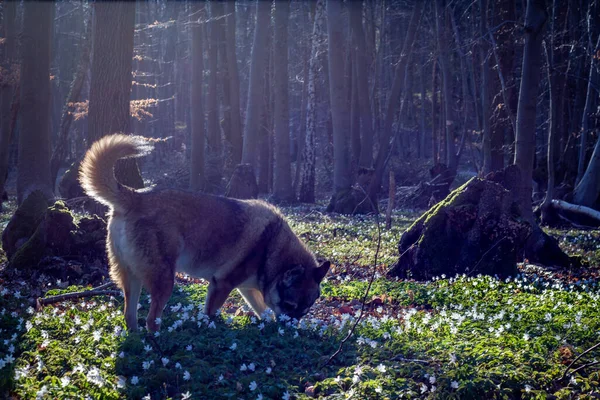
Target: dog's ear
{"type": "Point", "coordinates": [320, 272]}
{"type": "Point", "coordinates": [291, 275]}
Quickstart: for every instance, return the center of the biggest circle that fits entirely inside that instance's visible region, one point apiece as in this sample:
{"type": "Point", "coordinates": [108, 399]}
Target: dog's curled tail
{"type": "Point", "coordinates": [96, 173]}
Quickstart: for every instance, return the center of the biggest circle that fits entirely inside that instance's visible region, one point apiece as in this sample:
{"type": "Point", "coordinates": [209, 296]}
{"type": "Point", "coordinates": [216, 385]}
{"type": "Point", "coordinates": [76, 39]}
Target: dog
{"type": "Point", "coordinates": [234, 244]}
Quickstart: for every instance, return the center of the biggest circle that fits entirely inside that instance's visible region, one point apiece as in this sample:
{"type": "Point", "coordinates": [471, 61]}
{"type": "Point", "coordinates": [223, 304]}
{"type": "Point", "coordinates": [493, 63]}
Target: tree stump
{"type": "Point", "coordinates": [354, 200]}
{"type": "Point", "coordinates": [476, 229]}
{"type": "Point", "coordinates": [46, 239]}
{"type": "Point", "coordinates": [243, 183]}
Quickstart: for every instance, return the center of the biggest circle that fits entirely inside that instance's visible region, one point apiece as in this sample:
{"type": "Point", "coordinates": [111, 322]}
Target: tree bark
{"type": "Point", "coordinates": [361, 58]}
{"type": "Point", "coordinates": [585, 118]}
{"type": "Point", "coordinates": [255, 103]}
{"type": "Point", "coordinates": [307, 178]}
{"type": "Point", "coordinates": [234, 84]}
{"type": "Point", "coordinates": [198, 138]}
{"type": "Point", "coordinates": [213, 129]}
{"type": "Point", "coordinates": [547, 203]}
{"type": "Point", "coordinates": [535, 19]}
{"type": "Point", "coordinates": [8, 86]}
{"type": "Point", "coordinates": [282, 183]}
{"type": "Point", "coordinates": [34, 137]}
{"type": "Point", "coordinates": [110, 83]}
{"type": "Point", "coordinates": [484, 49]}
{"type": "Point", "coordinates": [342, 179]}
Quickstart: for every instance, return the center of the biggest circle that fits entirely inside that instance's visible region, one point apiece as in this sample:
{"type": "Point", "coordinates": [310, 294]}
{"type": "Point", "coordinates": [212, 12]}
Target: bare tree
{"type": "Point", "coordinates": [282, 185]}
{"type": "Point", "coordinates": [585, 117]}
{"type": "Point", "coordinates": [342, 180]}
{"type": "Point", "coordinates": [234, 84]}
{"type": "Point", "coordinates": [33, 171]}
{"type": "Point", "coordinates": [8, 85]}
{"type": "Point", "coordinates": [198, 138]}
{"type": "Point", "coordinates": [243, 182]}
{"type": "Point", "coordinates": [213, 128]}
{"type": "Point", "coordinates": [535, 19]}
{"type": "Point", "coordinates": [361, 57]}
{"type": "Point", "coordinates": [110, 82]}
{"type": "Point", "coordinates": [307, 177]}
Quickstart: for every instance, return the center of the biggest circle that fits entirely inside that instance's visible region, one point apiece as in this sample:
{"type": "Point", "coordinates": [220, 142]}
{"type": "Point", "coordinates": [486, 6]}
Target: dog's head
{"type": "Point", "coordinates": [296, 289]}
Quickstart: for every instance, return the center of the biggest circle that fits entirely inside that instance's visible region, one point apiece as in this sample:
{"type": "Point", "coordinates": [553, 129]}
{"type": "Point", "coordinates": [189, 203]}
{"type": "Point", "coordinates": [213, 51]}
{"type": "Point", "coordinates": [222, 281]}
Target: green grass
{"type": "Point", "coordinates": [457, 337]}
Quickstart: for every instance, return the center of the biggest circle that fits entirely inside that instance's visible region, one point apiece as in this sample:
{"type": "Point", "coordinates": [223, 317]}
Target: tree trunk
{"type": "Point", "coordinates": [361, 58]}
{"type": "Point", "coordinates": [546, 207]}
{"type": "Point", "coordinates": [354, 114]}
{"type": "Point", "coordinates": [198, 138]}
{"type": "Point", "coordinates": [307, 178]}
{"type": "Point", "coordinates": [110, 83]}
{"type": "Point", "coordinates": [282, 183]}
{"type": "Point", "coordinates": [484, 49]}
{"type": "Point", "coordinates": [213, 129]}
{"type": "Point", "coordinates": [588, 190]}
{"type": "Point", "coordinates": [34, 137]}
{"type": "Point", "coordinates": [255, 104]}
{"type": "Point", "coordinates": [435, 153]}
{"type": "Point", "coordinates": [301, 134]}
{"type": "Point", "coordinates": [8, 85]}
{"type": "Point", "coordinates": [342, 179]}
{"type": "Point", "coordinates": [585, 118]}
{"type": "Point", "coordinates": [392, 104]}
{"type": "Point", "coordinates": [535, 19]}
{"type": "Point", "coordinates": [234, 84]}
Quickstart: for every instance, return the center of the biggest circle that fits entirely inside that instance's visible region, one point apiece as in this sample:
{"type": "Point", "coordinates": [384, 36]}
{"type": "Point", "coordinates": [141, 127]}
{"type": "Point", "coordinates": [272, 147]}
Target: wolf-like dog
{"type": "Point", "coordinates": [234, 244]}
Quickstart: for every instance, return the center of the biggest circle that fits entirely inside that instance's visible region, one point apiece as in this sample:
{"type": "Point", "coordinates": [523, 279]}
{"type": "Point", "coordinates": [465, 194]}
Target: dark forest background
{"type": "Point", "coordinates": [300, 100]}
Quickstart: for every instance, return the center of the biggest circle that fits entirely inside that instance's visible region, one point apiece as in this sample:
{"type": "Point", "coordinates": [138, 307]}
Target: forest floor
{"type": "Point", "coordinates": [452, 337]}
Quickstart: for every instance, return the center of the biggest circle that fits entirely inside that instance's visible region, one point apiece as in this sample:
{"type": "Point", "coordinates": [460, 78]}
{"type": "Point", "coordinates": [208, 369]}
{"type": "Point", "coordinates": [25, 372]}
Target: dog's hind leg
{"type": "Point", "coordinates": [160, 286]}
{"type": "Point", "coordinates": [132, 286]}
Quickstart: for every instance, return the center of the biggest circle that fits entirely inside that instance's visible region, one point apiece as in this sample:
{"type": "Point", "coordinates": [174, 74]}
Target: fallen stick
{"type": "Point", "coordinates": [583, 210]}
{"type": "Point", "coordinates": [41, 302]}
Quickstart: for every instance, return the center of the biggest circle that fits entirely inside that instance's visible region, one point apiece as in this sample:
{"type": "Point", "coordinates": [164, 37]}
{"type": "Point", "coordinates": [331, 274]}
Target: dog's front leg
{"type": "Point", "coordinates": [216, 296]}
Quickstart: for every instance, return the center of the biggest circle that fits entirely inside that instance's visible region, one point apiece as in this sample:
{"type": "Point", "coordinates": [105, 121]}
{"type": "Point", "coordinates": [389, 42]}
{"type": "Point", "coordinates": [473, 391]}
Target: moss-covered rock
{"type": "Point", "coordinates": [476, 229]}
{"type": "Point", "coordinates": [53, 235]}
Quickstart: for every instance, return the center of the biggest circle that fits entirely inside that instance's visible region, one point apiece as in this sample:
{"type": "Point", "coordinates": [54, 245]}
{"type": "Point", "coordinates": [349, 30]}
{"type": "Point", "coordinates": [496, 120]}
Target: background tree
{"type": "Point", "coordinates": [8, 85]}
{"type": "Point", "coordinates": [110, 82]}
{"type": "Point", "coordinates": [282, 183]}
{"type": "Point", "coordinates": [535, 20]}
{"type": "Point", "coordinates": [339, 95]}
{"type": "Point", "coordinates": [198, 139]}
{"type": "Point", "coordinates": [244, 177]}
{"type": "Point", "coordinates": [307, 178]}
{"type": "Point", "coordinates": [34, 137]}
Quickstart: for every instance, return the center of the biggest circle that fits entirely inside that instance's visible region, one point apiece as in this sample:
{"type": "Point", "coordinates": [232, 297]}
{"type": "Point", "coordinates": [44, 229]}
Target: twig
{"type": "Point", "coordinates": [400, 358]}
{"type": "Point", "coordinates": [78, 295]}
{"type": "Point", "coordinates": [577, 359]}
{"type": "Point", "coordinates": [585, 366]}
{"type": "Point", "coordinates": [371, 279]}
